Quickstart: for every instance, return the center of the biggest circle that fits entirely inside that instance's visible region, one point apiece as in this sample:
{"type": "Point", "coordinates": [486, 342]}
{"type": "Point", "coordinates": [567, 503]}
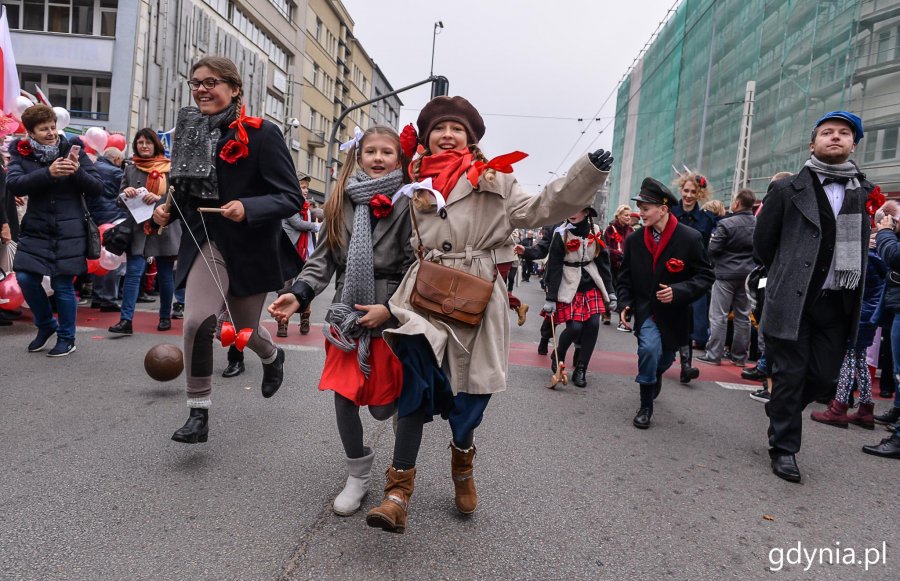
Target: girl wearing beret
{"type": "Point", "coordinates": [579, 289]}
{"type": "Point", "coordinates": [464, 212]}
{"type": "Point", "coordinates": [366, 245]}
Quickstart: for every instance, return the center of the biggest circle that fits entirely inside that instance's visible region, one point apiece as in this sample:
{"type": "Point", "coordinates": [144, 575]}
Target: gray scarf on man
{"type": "Point", "coordinates": [194, 152]}
{"type": "Point", "coordinates": [359, 277]}
{"type": "Point", "coordinates": [848, 235]}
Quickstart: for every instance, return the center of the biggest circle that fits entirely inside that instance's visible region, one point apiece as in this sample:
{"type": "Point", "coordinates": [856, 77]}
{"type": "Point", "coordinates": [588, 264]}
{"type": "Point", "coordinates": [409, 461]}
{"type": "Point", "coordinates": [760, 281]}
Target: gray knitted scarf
{"type": "Point", "coordinates": [45, 153]}
{"type": "Point", "coordinates": [847, 259]}
{"type": "Point", "coordinates": [194, 152]}
{"type": "Point", "coordinates": [359, 278]}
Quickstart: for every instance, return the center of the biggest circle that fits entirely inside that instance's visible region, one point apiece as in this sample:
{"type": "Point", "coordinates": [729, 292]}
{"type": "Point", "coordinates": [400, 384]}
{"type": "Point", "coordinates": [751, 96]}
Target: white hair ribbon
{"type": "Point", "coordinates": [357, 137]}
{"type": "Point", "coordinates": [409, 189]}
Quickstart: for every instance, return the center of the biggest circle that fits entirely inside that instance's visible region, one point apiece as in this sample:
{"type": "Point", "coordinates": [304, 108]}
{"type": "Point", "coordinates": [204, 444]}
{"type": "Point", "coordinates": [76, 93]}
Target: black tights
{"type": "Point", "coordinates": [584, 333]}
{"type": "Point", "coordinates": [409, 439]}
{"type": "Point", "coordinates": [350, 426]}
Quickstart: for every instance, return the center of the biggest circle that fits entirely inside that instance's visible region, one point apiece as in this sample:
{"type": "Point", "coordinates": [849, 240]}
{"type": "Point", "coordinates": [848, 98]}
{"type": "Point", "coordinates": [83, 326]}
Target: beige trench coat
{"type": "Point", "coordinates": [478, 224]}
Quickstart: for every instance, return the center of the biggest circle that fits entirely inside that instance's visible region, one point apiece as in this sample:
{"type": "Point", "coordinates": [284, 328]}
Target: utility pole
{"type": "Point", "coordinates": [741, 174]}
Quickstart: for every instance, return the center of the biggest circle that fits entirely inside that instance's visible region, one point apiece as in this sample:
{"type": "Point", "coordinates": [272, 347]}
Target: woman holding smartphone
{"type": "Point", "coordinates": [55, 174]}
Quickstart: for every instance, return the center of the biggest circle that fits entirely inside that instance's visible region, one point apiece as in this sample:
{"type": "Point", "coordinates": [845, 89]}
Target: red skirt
{"type": "Point", "coordinates": [583, 307]}
{"type": "Point", "coordinates": [342, 374]}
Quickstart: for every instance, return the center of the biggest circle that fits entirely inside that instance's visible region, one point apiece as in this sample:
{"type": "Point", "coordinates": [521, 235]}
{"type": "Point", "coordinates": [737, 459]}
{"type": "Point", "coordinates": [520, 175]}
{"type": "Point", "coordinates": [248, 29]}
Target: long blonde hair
{"type": "Point", "coordinates": [334, 205]}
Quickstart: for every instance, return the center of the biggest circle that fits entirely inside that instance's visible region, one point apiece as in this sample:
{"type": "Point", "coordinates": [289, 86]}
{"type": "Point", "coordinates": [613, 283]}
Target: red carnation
{"type": "Point", "coordinates": [233, 151]}
{"type": "Point", "coordinates": [305, 205]}
{"type": "Point", "coordinates": [154, 175]}
{"type": "Point", "coordinates": [573, 244]}
{"type": "Point", "coordinates": [616, 236]}
{"type": "Point", "coordinates": [875, 200]}
{"type": "Point", "coordinates": [701, 181]}
{"type": "Point", "coordinates": [409, 140]}
{"type": "Point", "coordinates": [381, 205]}
{"type": "Point", "coordinates": [24, 148]}
{"type": "Point", "coordinates": [674, 265]}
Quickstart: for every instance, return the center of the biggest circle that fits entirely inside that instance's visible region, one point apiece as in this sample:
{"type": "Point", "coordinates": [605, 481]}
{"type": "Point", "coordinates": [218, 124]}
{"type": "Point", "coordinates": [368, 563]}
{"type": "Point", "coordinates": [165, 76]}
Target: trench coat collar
{"type": "Point", "coordinates": [805, 197]}
{"type": "Point", "coordinates": [463, 188]}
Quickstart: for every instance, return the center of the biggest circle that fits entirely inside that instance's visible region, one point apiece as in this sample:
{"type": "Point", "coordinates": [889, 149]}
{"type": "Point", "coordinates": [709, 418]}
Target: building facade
{"type": "Point", "coordinates": [682, 103]}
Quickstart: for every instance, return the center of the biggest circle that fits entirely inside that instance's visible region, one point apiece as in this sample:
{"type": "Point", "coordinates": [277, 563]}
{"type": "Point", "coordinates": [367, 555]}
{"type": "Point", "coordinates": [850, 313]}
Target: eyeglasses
{"type": "Point", "coordinates": [209, 83]}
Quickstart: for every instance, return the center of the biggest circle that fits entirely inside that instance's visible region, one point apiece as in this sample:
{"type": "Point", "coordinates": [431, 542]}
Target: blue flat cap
{"type": "Point", "coordinates": [854, 121]}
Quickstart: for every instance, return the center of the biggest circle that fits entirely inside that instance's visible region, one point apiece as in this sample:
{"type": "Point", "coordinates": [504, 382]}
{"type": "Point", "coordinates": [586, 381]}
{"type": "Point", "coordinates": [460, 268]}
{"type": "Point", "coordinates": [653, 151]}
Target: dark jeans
{"type": "Point", "coordinates": [806, 369]}
{"type": "Point", "coordinates": [39, 303]}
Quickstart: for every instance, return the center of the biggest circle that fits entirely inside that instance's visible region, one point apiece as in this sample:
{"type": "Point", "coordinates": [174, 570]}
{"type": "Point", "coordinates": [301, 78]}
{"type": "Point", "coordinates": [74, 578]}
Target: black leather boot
{"type": "Point", "coordinates": [687, 372]}
{"type": "Point", "coordinates": [273, 374]}
{"type": "Point", "coordinates": [196, 429]}
{"type": "Point", "coordinates": [579, 378]}
{"type": "Point", "coordinates": [123, 327]}
{"type": "Point", "coordinates": [642, 418]}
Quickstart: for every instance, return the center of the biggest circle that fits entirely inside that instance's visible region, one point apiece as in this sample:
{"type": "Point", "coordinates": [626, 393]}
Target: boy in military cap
{"type": "Point", "coordinates": [664, 269]}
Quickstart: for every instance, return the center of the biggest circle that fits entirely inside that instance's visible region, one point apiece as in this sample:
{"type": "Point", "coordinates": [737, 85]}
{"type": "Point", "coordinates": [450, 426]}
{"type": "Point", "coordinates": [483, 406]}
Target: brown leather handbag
{"type": "Point", "coordinates": [449, 293]}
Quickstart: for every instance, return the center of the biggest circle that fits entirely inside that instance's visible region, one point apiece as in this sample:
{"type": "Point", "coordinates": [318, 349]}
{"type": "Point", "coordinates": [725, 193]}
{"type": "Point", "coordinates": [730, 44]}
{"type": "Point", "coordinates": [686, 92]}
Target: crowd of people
{"type": "Point", "coordinates": [425, 237]}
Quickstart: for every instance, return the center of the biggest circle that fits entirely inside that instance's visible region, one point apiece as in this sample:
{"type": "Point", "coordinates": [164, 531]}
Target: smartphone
{"type": "Point", "coordinates": [74, 152]}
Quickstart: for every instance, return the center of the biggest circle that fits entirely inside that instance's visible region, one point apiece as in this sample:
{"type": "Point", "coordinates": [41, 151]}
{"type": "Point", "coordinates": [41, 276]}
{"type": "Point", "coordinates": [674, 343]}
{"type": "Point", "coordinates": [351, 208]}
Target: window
{"type": "Point", "coordinates": [87, 17]}
{"type": "Point", "coordinates": [318, 32]}
{"type": "Point", "coordinates": [84, 96]}
{"type": "Point", "coordinates": [283, 6]}
{"type": "Point", "coordinates": [275, 107]}
{"type": "Point", "coordinates": [258, 37]}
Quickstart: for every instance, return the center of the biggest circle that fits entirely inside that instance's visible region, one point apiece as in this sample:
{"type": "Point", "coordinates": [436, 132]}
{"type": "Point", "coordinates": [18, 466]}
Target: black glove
{"type": "Point", "coordinates": [601, 159]}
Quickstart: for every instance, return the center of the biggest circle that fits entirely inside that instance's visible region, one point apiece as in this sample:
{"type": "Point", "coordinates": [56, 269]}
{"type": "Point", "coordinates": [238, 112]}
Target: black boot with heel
{"type": "Point", "coordinates": [687, 372]}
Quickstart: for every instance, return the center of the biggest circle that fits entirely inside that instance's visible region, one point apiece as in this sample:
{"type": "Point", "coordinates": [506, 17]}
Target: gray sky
{"type": "Point", "coordinates": [558, 59]}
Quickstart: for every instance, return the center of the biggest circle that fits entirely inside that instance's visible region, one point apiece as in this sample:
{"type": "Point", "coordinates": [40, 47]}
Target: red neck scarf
{"type": "Point", "coordinates": [445, 169]}
{"type": "Point", "coordinates": [656, 249]}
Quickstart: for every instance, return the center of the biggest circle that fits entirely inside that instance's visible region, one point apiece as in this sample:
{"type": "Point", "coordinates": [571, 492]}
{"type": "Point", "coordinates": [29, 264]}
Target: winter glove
{"type": "Point", "coordinates": [601, 159]}
{"type": "Point", "coordinates": [549, 307]}
{"type": "Point", "coordinates": [613, 303]}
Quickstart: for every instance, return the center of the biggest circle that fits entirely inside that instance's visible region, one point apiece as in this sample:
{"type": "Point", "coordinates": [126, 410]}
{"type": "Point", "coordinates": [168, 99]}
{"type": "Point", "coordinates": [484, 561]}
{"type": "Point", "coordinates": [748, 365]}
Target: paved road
{"type": "Point", "coordinates": [93, 488]}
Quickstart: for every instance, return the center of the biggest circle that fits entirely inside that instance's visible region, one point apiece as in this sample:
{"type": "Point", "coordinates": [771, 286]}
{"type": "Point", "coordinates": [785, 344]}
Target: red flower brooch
{"type": "Point", "coordinates": [674, 265]}
{"type": "Point", "coordinates": [235, 149]}
{"type": "Point", "coordinates": [154, 175]}
{"type": "Point", "coordinates": [24, 148]}
{"type": "Point", "coordinates": [573, 244]}
{"type": "Point", "coordinates": [875, 200]}
{"type": "Point", "coordinates": [381, 205]}
{"type": "Point", "coordinates": [409, 140]}
{"type": "Point", "coordinates": [701, 181]}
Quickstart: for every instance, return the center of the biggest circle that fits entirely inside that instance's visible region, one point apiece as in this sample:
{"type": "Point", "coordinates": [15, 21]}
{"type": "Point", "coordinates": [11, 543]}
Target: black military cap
{"type": "Point", "coordinates": [654, 192]}
{"type": "Point", "coordinates": [591, 212]}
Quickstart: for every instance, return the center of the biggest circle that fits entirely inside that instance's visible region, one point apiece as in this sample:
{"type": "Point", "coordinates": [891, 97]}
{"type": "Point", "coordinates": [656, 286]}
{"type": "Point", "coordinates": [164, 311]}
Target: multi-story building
{"type": "Point", "coordinates": [682, 103]}
{"type": "Point", "coordinates": [386, 111]}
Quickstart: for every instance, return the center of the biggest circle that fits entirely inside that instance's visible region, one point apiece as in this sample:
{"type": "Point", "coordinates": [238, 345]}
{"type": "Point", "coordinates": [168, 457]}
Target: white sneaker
{"type": "Point", "coordinates": [624, 328]}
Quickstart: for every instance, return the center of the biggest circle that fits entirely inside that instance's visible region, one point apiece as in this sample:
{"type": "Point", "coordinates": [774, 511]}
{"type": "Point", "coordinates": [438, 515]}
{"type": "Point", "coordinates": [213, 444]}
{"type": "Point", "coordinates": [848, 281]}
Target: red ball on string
{"type": "Point", "coordinates": [11, 297]}
{"type": "Point", "coordinates": [243, 337]}
{"type": "Point", "coordinates": [93, 267]}
{"type": "Point", "coordinates": [228, 334]}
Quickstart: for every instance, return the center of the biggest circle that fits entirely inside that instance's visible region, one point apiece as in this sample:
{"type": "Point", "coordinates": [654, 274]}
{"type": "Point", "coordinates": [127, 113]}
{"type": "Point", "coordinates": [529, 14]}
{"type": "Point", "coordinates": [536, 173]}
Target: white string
{"type": "Point", "coordinates": [214, 274]}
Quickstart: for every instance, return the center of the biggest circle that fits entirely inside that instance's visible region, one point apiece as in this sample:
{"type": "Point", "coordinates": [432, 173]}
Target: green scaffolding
{"type": "Point", "coordinates": [682, 103]}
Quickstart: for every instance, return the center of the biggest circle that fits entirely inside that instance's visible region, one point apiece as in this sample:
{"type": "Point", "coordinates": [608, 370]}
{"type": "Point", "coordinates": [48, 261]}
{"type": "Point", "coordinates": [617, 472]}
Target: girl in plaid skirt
{"type": "Point", "coordinates": [577, 278]}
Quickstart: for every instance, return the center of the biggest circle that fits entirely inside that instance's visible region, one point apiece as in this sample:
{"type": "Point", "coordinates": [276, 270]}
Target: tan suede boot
{"type": "Point", "coordinates": [463, 479]}
{"type": "Point", "coordinates": [390, 515]}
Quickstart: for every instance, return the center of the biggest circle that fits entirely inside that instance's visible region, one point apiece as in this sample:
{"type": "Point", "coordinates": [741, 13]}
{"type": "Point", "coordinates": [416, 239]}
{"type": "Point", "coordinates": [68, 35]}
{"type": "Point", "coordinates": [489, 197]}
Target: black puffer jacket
{"type": "Point", "coordinates": [53, 237]}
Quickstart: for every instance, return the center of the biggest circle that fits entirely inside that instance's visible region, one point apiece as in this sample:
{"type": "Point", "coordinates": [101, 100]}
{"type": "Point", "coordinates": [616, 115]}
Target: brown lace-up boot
{"type": "Point", "coordinates": [390, 515]}
{"type": "Point", "coordinates": [463, 479]}
{"type": "Point", "coordinates": [835, 415]}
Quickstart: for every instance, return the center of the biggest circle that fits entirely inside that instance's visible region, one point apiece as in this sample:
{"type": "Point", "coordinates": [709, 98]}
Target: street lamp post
{"type": "Point", "coordinates": [439, 25]}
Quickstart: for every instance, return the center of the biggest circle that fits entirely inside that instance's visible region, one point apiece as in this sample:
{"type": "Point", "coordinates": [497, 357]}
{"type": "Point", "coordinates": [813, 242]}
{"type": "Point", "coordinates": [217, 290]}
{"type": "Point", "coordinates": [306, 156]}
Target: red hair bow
{"type": "Point", "coordinates": [238, 124]}
{"type": "Point", "coordinates": [875, 200]}
{"type": "Point", "coordinates": [502, 163]}
{"type": "Point", "coordinates": [598, 239]}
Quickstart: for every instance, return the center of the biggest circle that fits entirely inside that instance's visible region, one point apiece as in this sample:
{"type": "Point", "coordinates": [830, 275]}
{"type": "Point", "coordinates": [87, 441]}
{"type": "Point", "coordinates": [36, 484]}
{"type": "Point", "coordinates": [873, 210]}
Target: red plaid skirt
{"type": "Point", "coordinates": [582, 307]}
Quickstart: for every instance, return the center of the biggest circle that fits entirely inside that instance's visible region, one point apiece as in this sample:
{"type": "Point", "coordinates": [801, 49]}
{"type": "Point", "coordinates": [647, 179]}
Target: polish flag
{"type": "Point", "coordinates": [9, 76]}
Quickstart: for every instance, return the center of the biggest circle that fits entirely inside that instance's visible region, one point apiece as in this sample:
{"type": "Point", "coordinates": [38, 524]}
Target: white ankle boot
{"type": "Point", "coordinates": [360, 469]}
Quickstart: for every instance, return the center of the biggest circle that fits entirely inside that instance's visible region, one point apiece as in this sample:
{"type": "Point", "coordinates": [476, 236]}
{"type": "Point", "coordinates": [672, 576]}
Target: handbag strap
{"type": "Point", "coordinates": [87, 214]}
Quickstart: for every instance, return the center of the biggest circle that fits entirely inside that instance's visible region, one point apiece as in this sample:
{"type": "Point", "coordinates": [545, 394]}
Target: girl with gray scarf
{"type": "Point", "coordinates": [366, 243]}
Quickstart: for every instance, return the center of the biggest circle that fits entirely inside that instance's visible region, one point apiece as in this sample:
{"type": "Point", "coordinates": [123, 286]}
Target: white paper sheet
{"type": "Point", "coordinates": [139, 210]}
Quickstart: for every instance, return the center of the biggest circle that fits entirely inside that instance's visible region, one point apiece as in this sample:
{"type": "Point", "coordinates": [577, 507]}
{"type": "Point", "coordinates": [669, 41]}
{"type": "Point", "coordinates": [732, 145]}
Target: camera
{"type": "Point", "coordinates": [293, 122]}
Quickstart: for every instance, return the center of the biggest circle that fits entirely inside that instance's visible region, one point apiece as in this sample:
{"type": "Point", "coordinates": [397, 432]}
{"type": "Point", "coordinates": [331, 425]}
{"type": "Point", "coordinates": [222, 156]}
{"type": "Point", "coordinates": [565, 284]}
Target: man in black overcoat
{"type": "Point", "coordinates": [664, 269]}
{"type": "Point", "coordinates": [812, 235]}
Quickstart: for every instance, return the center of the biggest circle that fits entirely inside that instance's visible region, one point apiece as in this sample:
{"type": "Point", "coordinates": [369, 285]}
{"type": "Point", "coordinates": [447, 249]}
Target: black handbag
{"type": "Point", "coordinates": [117, 239]}
{"type": "Point", "coordinates": [93, 234]}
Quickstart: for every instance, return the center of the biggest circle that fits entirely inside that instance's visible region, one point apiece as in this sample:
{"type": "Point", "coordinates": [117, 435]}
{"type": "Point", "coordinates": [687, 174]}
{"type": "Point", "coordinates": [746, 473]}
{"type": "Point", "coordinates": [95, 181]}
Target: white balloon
{"type": "Point", "coordinates": [62, 118]}
{"type": "Point", "coordinates": [22, 103]}
{"type": "Point", "coordinates": [96, 138]}
{"type": "Point", "coordinates": [111, 261]}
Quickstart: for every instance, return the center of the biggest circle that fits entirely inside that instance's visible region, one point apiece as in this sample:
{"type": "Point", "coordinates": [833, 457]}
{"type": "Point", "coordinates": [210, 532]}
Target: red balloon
{"type": "Point", "coordinates": [116, 140]}
{"type": "Point", "coordinates": [228, 334]}
{"type": "Point", "coordinates": [93, 267]}
{"type": "Point", "coordinates": [242, 338]}
{"type": "Point", "coordinates": [10, 293]}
